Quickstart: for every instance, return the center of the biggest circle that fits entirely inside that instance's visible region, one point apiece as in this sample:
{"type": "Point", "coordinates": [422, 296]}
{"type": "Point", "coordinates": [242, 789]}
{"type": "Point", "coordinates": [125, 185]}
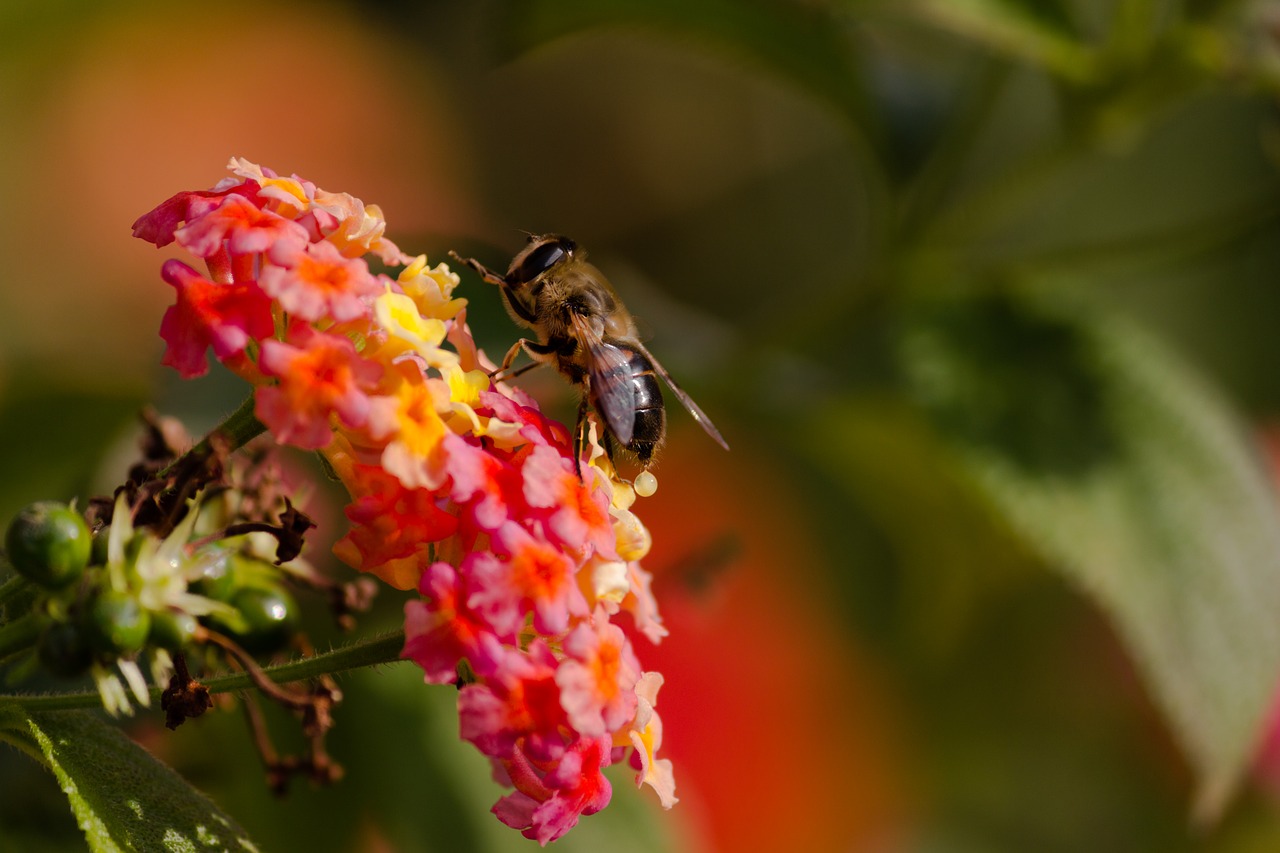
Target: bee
{"type": "Point", "coordinates": [585, 331]}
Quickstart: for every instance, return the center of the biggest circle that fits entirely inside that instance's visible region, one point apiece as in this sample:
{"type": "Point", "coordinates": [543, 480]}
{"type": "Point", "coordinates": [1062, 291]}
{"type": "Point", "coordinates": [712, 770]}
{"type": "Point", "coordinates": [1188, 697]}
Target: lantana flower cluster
{"type": "Point", "coordinates": [460, 487]}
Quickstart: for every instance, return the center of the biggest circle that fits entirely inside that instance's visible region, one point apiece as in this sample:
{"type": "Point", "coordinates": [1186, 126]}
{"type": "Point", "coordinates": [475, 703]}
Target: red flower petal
{"type": "Point", "coordinates": [224, 316]}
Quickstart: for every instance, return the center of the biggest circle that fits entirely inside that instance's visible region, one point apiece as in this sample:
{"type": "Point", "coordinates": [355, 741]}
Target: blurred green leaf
{"type": "Point", "coordinates": [1126, 470]}
{"type": "Point", "coordinates": [1022, 29]}
{"type": "Point", "coordinates": [52, 438]}
{"type": "Point", "coordinates": [806, 44]}
{"type": "Point", "coordinates": [950, 550]}
{"type": "Point", "coordinates": [122, 797]}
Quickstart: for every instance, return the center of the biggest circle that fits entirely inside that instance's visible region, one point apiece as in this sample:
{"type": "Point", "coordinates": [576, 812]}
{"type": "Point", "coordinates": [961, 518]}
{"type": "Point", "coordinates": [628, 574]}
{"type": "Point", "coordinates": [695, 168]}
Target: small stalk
{"type": "Point", "coordinates": [379, 650]}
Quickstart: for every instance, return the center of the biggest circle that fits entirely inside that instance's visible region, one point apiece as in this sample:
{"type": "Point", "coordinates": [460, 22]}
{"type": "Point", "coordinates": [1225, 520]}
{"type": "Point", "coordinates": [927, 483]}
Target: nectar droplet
{"type": "Point", "coordinates": [646, 484]}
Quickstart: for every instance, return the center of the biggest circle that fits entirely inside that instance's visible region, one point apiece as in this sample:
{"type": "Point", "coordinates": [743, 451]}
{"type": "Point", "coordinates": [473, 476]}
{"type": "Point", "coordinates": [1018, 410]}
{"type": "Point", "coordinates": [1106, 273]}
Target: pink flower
{"type": "Point", "coordinates": [239, 225]}
{"type": "Point", "coordinates": [481, 483]}
{"type": "Point", "coordinates": [223, 316]}
{"type": "Point", "coordinates": [517, 705]}
{"type": "Point", "coordinates": [598, 677]}
{"type": "Point", "coordinates": [646, 736]}
{"type": "Point", "coordinates": [391, 520]}
{"type": "Point", "coordinates": [158, 225]}
{"type": "Point", "coordinates": [355, 228]}
{"type": "Point", "coordinates": [536, 428]}
{"type": "Point", "coordinates": [576, 514]}
{"type": "Point", "coordinates": [320, 376]}
{"type": "Point", "coordinates": [442, 631]}
{"type": "Point", "coordinates": [459, 487]}
{"type": "Point", "coordinates": [642, 605]}
{"type": "Point", "coordinates": [313, 281]}
{"type": "Point", "coordinates": [535, 577]}
{"type": "Point", "coordinates": [544, 809]}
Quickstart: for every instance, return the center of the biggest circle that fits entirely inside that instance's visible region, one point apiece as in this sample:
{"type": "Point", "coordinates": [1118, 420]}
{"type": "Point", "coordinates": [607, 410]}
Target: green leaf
{"type": "Point", "coordinates": [1127, 471]}
{"type": "Point", "coordinates": [803, 43]}
{"type": "Point", "coordinates": [122, 797]}
{"type": "Point", "coordinates": [1035, 32]}
{"type": "Point", "coordinates": [950, 554]}
{"type": "Point", "coordinates": [51, 438]}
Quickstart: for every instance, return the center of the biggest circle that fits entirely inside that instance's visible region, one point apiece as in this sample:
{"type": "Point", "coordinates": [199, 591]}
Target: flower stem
{"type": "Point", "coordinates": [240, 426]}
{"type": "Point", "coordinates": [379, 650]}
{"type": "Point", "coordinates": [238, 429]}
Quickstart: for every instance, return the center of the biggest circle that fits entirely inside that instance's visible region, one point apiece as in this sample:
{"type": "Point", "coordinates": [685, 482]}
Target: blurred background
{"type": "Point", "coordinates": [982, 293]}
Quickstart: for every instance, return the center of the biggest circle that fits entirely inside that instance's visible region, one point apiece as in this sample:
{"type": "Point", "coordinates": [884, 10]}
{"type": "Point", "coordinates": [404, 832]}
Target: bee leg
{"type": "Point", "coordinates": [580, 437]}
{"type": "Point", "coordinates": [511, 355]}
{"type": "Point", "coordinates": [534, 349]}
{"type": "Point", "coordinates": [505, 372]}
{"type": "Point", "coordinates": [485, 273]}
{"type": "Point", "coordinates": [502, 374]}
{"type": "Point", "coordinates": [611, 447]}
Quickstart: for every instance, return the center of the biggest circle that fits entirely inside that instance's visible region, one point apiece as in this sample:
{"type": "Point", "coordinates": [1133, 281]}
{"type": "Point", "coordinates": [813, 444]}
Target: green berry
{"type": "Point", "coordinates": [217, 580]}
{"type": "Point", "coordinates": [48, 543]}
{"type": "Point", "coordinates": [116, 623]}
{"type": "Point", "coordinates": [269, 618]}
{"type": "Point", "coordinates": [171, 629]}
{"type": "Point", "coordinates": [62, 649]}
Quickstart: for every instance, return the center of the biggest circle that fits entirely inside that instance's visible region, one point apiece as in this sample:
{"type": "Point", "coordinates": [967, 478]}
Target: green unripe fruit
{"type": "Point", "coordinates": [115, 622]}
{"type": "Point", "coordinates": [172, 629]}
{"type": "Point", "coordinates": [217, 579]}
{"type": "Point", "coordinates": [269, 617]}
{"type": "Point", "coordinates": [62, 649]}
{"type": "Point", "coordinates": [48, 543]}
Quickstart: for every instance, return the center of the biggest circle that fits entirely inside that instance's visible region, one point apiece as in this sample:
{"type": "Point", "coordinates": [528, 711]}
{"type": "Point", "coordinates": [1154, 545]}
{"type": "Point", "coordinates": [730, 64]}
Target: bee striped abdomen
{"type": "Point", "coordinates": [651, 416]}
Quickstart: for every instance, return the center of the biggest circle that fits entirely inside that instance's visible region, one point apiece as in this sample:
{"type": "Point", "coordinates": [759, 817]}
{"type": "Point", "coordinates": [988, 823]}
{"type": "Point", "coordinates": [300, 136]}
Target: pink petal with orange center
{"type": "Point", "coordinates": [598, 677]}
{"type": "Point", "coordinates": [319, 378]}
{"type": "Point", "coordinates": [314, 282]}
{"type": "Point", "coordinates": [242, 228]}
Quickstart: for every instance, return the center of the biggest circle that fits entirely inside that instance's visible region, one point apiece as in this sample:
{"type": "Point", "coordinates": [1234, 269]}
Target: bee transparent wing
{"type": "Point", "coordinates": [691, 407]}
{"type": "Point", "coordinates": [609, 374]}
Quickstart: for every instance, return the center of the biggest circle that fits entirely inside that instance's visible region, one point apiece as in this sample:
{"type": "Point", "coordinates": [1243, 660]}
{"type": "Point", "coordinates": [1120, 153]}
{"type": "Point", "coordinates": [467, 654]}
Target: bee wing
{"type": "Point", "coordinates": [691, 407]}
{"type": "Point", "coordinates": [609, 373]}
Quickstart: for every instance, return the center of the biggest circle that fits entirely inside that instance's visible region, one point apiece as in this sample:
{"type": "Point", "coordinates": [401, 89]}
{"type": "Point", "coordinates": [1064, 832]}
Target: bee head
{"type": "Point", "coordinates": [541, 254]}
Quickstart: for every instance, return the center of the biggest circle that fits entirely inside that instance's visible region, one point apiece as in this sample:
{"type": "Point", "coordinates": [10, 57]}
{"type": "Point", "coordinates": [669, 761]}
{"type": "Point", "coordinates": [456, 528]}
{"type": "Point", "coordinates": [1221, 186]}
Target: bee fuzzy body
{"type": "Point", "coordinates": [585, 331]}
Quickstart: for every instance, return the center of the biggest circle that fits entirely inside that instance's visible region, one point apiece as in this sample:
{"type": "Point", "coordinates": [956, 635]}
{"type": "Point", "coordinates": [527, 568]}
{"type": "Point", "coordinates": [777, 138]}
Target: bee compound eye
{"type": "Point", "coordinates": [541, 259]}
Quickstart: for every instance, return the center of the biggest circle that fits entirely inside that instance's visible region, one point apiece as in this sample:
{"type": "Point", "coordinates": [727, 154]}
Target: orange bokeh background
{"type": "Point", "coordinates": [781, 729]}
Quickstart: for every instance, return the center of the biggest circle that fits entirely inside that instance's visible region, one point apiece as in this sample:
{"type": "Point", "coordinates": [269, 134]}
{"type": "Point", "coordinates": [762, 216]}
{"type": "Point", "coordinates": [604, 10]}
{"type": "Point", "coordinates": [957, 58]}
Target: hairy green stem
{"type": "Point", "coordinates": [379, 650]}
{"type": "Point", "coordinates": [241, 426]}
{"type": "Point", "coordinates": [238, 428]}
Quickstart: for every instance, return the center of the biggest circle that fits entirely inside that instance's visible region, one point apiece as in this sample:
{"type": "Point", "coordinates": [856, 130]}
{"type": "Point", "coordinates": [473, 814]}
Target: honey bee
{"type": "Point", "coordinates": [587, 333]}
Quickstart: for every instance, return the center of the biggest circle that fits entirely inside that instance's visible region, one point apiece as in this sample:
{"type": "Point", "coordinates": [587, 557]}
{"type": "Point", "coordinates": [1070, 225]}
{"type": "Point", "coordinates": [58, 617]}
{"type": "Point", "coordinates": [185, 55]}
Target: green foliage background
{"type": "Point", "coordinates": [992, 283]}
